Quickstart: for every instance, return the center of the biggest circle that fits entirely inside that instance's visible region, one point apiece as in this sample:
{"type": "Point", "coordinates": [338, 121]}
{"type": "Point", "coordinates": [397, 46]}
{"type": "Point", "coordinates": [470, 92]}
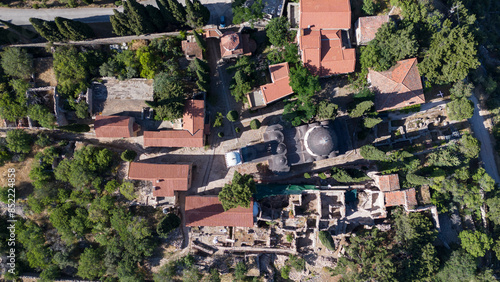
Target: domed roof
{"type": "Point", "coordinates": [230, 41]}
{"type": "Point", "coordinates": [281, 149]}
{"type": "Point", "coordinates": [320, 141]}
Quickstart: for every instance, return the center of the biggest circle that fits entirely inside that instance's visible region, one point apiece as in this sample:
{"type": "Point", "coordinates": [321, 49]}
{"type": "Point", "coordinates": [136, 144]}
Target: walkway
{"type": "Point", "coordinates": [487, 154]}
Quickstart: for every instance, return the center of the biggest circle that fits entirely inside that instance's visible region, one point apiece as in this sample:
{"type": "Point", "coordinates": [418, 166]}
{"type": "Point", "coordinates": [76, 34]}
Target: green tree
{"type": "Point", "coordinates": [327, 110]}
{"type": "Point", "coordinates": [191, 274]}
{"type": "Point", "coordinates": [127, 189]}
{"type": "Point", "coordinates": [42, 115]}
{"type": "Point", "coordinates": [475, 243]}
{"type": "Point", "coordinates": [459, 267]}
{"type": "Point", "coordinates": [469, 146]}
{"type": "Point", "coordinates": [417, 179]}
{"type": "Point", "coordinates": [201, 43]}
{"type": "Point", "coordinates": [460, 109]}
{"type": "Point", "coordinates": [73, 30]}
{"type": "Point", "coordinates": [277, 30]}
{"type": "Point", "coordinates": [366, 259]}
{"type": "Point", "coordinates": [361, 109]}
{"type": "Point", "coordinates": [461, 89]}
{"type": "Point", "coordinates": [166, 12]}
{"type": "Point", "coordinates": [326, 239]}
{"type": "Point", "coordinates": [240, 272]}
{"type": "Point", "coordinates": [89, 265]}
{"type": "Point", "coordinates": [156, 18]}
{"type": "Point", "coordinates": [169, 223]}
{"type": "Point", "coordinates": [129, 155]}
{"type": "Point", "coordinates": [369, 7]}
{"type": "Point", "coordinates": [370, 122]}
{"type": "Point", "coordinates": [369, 152]}
{"type": "Point", "coordinates": [444, 157]}
{"type": "Point", "coordinates": [18, 141]}
{"type": "Point", "coordinates": [178, 11]}
{"type": "Point", "coordinates": [238, 192]}
{"type": "Point", "coordinates": [451, 56]}
{"type": "Point", "coordinates": [214, 276]}
{"type": "Point", "coordinates": [47, 29]}
{"type": "Point", "coordinates": [247, 14]}
{"type": "Point", "coordinates": [194, 17]}
{"type": "Point", "coordinates": [17, 62]}
{"type": "Point", "coordinates": [120, 24]}
{"type": "Point", "coordinates": [255, 124]}
{"type": "Point", "coordinates": [232, 116]}
{"type": "Point", "coordinates": [494, 209]}
{"type": "Point", "coordinates": [305, 85]}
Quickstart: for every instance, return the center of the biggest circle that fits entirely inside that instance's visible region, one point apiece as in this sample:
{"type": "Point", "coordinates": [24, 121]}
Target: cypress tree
{"type": "Point", "coordinates": [74, 30]}
{"type": "Point", "coordinates": [166, 12]}
{"type": "Point", "coordinates": [199, 39]}
{"type": "Point", "coordinates": [178, 11]}
{"type": "Point", "coordinates": [156, 18]}
{"type": "Point", "coordinates": [24, 32]}
{"type": "Point", "coordinates": [138, 18]}
{"type": "Point", "coordinates": [120, 24]}
{"type": "Point", "coordinates": [201, 65]}
{"type": "Point", "coordinates": [202, 11]}
{"type": "Point", "coordinates": [47, 29]}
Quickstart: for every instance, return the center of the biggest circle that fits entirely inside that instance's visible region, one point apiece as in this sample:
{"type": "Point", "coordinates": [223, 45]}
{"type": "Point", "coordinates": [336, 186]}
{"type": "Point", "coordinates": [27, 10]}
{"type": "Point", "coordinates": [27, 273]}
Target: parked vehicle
{"type": "Point", "coordinates": [222, 21]}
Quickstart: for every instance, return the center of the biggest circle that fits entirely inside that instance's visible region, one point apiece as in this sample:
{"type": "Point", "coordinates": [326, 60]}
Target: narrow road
{"type": "Point", "coordinates": [487, 154]}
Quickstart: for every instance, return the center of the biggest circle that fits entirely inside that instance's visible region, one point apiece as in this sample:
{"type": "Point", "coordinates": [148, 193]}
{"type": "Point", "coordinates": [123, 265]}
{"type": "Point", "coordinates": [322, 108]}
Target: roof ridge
{"type": "Point", "coordinates": [406, 74]}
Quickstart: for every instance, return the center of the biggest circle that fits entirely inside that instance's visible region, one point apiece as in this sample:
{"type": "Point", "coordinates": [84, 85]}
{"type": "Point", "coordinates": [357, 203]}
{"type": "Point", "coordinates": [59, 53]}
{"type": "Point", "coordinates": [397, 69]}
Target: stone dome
{"type": "Point", "coordinates": [320, 141]}
{"type": "Point", "coordinates": [281, 148]}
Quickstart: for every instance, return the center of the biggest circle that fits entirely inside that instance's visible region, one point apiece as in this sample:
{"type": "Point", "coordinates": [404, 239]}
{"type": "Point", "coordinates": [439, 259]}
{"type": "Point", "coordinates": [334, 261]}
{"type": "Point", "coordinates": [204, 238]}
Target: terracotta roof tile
{"type": "Point", "coordinates": [368, 27]}
{"type": "Point", "coordinates": [387, 183]}
{"type": "Point", "coordinates": [281, 83]}
{"type": "Point", "coordinates": [208, 211]}
{"type": "Point", "coordinates": [398, 87]}
{"type": "Point", "coordinates": [279, 71]}
{"type": "Point", "coordinates": [192, 135]}
{"type": "Point", "coordinates": [411, 197]}
{"type": "Point", "coordinates": [113, 126]}
{"type": "Point", "coordinates": [192, 49]}
{"type": "Point", "coordinates": [407, 198]}
{"type": "Point", "coordinates": [166, 178]}
{"type": "Point", "coordinates": [325, 14]}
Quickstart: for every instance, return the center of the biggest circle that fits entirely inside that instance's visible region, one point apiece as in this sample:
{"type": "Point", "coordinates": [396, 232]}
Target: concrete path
{"type": "Point", "coordinates": [487, 154]}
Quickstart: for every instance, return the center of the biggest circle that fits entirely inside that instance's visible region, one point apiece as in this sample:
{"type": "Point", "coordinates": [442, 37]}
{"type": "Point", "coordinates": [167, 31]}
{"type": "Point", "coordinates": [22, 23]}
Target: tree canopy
{"type": "Point", "coordinates": [277, 30]}
{"type": "Point", "coordinates": [17, 62]}
{"type": "Point", "coordinates": [238, 192]}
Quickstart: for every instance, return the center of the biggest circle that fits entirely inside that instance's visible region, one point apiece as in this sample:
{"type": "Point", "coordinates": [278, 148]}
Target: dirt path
{"type": "Point", "coordinates": [487, 154]}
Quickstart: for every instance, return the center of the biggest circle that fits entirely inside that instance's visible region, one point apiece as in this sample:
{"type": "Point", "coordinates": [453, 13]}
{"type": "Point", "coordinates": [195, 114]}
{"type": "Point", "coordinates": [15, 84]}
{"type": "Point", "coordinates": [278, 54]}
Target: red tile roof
{"type": "Point", "coordinates": [166, 178]}
{"type": "Point", "coordinates": [113, 126]}
{"type": "Point", "coordinates": [280, 87]}
{"type": "Point", "coordinates": [405, 198]}
{"type": "Point", "coordinates": [387, 183]}
{"type": "Point", "coordinates": [208, 211]}
{"type": "Point", "coordinates": [232, 43]}
{"type": "Point", "coordinates": [398, 87]}
{"type": "Point", "coordinates": [324, 54]}
{"type": "Point", "coordinates": [367, 27]}
{"type": "Point", "coordinates": [213, 32]}
{"type": "Point", "coordinates": [192, 135]}
{"type": "Point", "coordinates": [191, 49]}
{"type": "Point", "coordinates": [325, 14]}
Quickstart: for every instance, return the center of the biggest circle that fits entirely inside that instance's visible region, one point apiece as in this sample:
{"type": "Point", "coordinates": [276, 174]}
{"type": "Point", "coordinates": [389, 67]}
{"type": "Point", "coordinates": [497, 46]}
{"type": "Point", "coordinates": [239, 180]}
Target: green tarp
{"type": "Point", "coordinates": [268, 190]}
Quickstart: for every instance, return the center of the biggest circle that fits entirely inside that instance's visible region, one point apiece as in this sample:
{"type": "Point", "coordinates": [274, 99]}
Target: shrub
{"type": "Point", "coordinates": [240, 272]}
{"type": "Point", "coordinates": [220, 134]}
{"type": "Point", "coordinates": [255, 124]}
{"type": "Point", "coordinates": [307, 175]}
{"type": "Point", "coordinates": [232, 116]}
{"type": "Point", "coordinates": [127, 189]}
{"type": "Point", "coordinates": [18, 141]}
{"type": "Point", "coordinates": [297, 263]}
{"type": "Point", "coordinates": [322, 176]}
{"type": "Point", "coordinates": [285, 272]}
{"type": "Point", "coordinates": [78, 128]}
{"type": "Point", "coordinates": [237, 129]}
{"type": "Point", "coordinates": [289, 237]}
{"type": "Point", "coordinates": [218, 119]}
{"type": "Point", "coordinates": [168, 224]}
{"type": "Point", "coordinates": [326, 239]}
{"type": "Point", "coordinates": [43, 140]}
{"type": "Point", "coordinates": [118, 3]}
{"type": "Point", "coordinates": [111, 186]}
{"type": "Point", "coordinates": [129, 155]}
{"type": "Point", "coordinates": [4, 194]}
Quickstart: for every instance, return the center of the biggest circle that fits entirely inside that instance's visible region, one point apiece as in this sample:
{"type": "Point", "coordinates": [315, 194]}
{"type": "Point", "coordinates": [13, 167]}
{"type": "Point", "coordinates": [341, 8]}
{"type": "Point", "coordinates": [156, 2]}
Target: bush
{"type": "Point", "coordinates": [322, 176]}
{"type": "Point", "coordinates": [111, 186]}
{"type": "Point", "coordinates": [326, 239]}
{"type": "Point", "coordinates": [285, 272]}
{"type": "Point", "coordinates": [77, 128]}
{"type": "Point", "coordinates": [129, 155]}
{"type": "Point", "coordinates": [237, 129]}
{"type": "Point", "coordinates": [4, 194]}
{"type": "Point", "coordinates": [240, 272]}
{"type": "Point", "coordinates": [255, 124]}
{"type": "Point", "coordinates": [18, 141]}
{"type": "Point", "coordinates": [220, 134]}
{"type": "Point", "coordinates": [297, 263]}
{"type": "Point", "coordinates": [289, 237]}
{"type": "Point", "coordinates": [43, 140]}
{"type": "Point", "coordinates": [127, 189]}
{"type": "Point", "coordinates": [218, 119]}
{"type": "Point", "coordinates": [118, 3]}
{"type": "Point", "coordinates": [307, 175]}
{"type": "Point", "coordinates": [232, 116]}
{"type": "Point", "coordinates": [168, 224]}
